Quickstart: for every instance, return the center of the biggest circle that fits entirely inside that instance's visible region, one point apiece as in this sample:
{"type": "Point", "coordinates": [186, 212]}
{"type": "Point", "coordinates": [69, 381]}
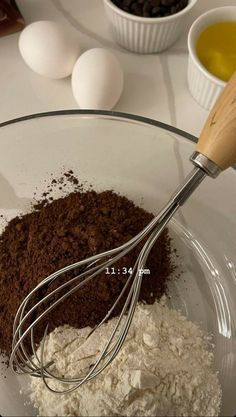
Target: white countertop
{"type": "Point", "coordinates": [155, 85]}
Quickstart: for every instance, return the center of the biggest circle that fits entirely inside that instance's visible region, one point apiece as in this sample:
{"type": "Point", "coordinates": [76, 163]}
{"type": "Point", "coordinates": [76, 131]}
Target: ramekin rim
{"type": "Point", "coordinates": [151, 20]}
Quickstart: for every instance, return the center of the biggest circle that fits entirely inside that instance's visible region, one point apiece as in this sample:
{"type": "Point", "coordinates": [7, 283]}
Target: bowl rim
{"type": "Point", "coordinates": [107, 114]}
{"type": "Point", "coordinates": [100, 114]}
{"type": "Point", "coordinates": [192, 49]}
{"type": "Point", "coordinates": [151, 20]}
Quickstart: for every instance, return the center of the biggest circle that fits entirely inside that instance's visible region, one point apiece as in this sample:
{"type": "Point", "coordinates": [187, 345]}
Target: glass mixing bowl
{"type": "Point", "coordinates": [144, 160]}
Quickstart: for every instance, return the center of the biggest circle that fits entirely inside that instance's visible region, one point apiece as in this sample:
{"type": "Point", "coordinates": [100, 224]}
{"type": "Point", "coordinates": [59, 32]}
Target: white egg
{"type": "Point", "coordinates": [49, 49]}
{"type": "Point", "coordinates": [97, 80]}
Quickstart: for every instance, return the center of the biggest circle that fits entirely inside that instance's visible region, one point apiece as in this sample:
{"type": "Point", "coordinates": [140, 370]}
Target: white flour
{"type": "Point", "coordinates": [163, 369]}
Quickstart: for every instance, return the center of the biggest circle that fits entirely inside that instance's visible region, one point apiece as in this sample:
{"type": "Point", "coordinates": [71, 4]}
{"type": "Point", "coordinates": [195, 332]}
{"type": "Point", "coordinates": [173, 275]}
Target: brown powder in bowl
{"type": "Point", "coordinates": [65, 231]}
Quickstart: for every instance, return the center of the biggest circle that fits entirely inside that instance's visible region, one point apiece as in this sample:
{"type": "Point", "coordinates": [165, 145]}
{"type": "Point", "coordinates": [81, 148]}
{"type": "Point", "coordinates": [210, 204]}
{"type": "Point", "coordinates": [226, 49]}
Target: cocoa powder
{"type": "Point", "coordinates": [67, 230]}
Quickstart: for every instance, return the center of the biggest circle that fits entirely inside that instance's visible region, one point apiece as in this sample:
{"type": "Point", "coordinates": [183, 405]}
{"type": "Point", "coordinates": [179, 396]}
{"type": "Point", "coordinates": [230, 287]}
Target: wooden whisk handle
{"type": "Point", "coordinates": [218, 138]}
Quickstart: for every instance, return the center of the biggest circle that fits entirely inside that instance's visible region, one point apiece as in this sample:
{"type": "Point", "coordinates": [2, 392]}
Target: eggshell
{"type": "Point", "coordinates": [97, 80]}
{"type": "Point", "coordinates": [49, 49]}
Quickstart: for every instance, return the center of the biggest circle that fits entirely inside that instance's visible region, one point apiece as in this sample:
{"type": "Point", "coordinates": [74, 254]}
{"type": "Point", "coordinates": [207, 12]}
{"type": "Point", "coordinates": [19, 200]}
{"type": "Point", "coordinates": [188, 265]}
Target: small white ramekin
{"type": "Point", "coordinates": [205, 87]}
{"type": "Point", "coordinates": [145, 35]}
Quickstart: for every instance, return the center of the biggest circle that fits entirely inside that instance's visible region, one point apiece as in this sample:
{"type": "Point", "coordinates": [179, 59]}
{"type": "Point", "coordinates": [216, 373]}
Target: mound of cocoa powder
{"type": "Point", "coordinates": [67, 230]}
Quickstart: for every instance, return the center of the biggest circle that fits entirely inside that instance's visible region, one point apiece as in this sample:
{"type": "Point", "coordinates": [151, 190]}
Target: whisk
{"type": "Point", "coordinates": [215, 151]}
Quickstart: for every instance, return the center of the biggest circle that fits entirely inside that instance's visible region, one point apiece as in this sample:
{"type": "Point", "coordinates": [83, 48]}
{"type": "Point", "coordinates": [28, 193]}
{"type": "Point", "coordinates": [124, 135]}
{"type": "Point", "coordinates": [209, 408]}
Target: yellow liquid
{"type": "Point", "coordinates": [216, 49]}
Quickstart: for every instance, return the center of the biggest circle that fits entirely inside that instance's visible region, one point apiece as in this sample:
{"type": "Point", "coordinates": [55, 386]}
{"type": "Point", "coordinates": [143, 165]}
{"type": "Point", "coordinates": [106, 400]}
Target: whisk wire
{"type": "Point", "coordinates": [37, 364]}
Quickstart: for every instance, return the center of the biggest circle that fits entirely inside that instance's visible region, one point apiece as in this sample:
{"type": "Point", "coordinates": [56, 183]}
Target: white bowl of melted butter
{"type": "Point", "coordinates": [212, 54]}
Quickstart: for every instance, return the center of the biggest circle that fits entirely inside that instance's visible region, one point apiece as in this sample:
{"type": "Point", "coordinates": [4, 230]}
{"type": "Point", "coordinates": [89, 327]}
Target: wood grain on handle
{"type": "Point", "coordinates": [218, 138]}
